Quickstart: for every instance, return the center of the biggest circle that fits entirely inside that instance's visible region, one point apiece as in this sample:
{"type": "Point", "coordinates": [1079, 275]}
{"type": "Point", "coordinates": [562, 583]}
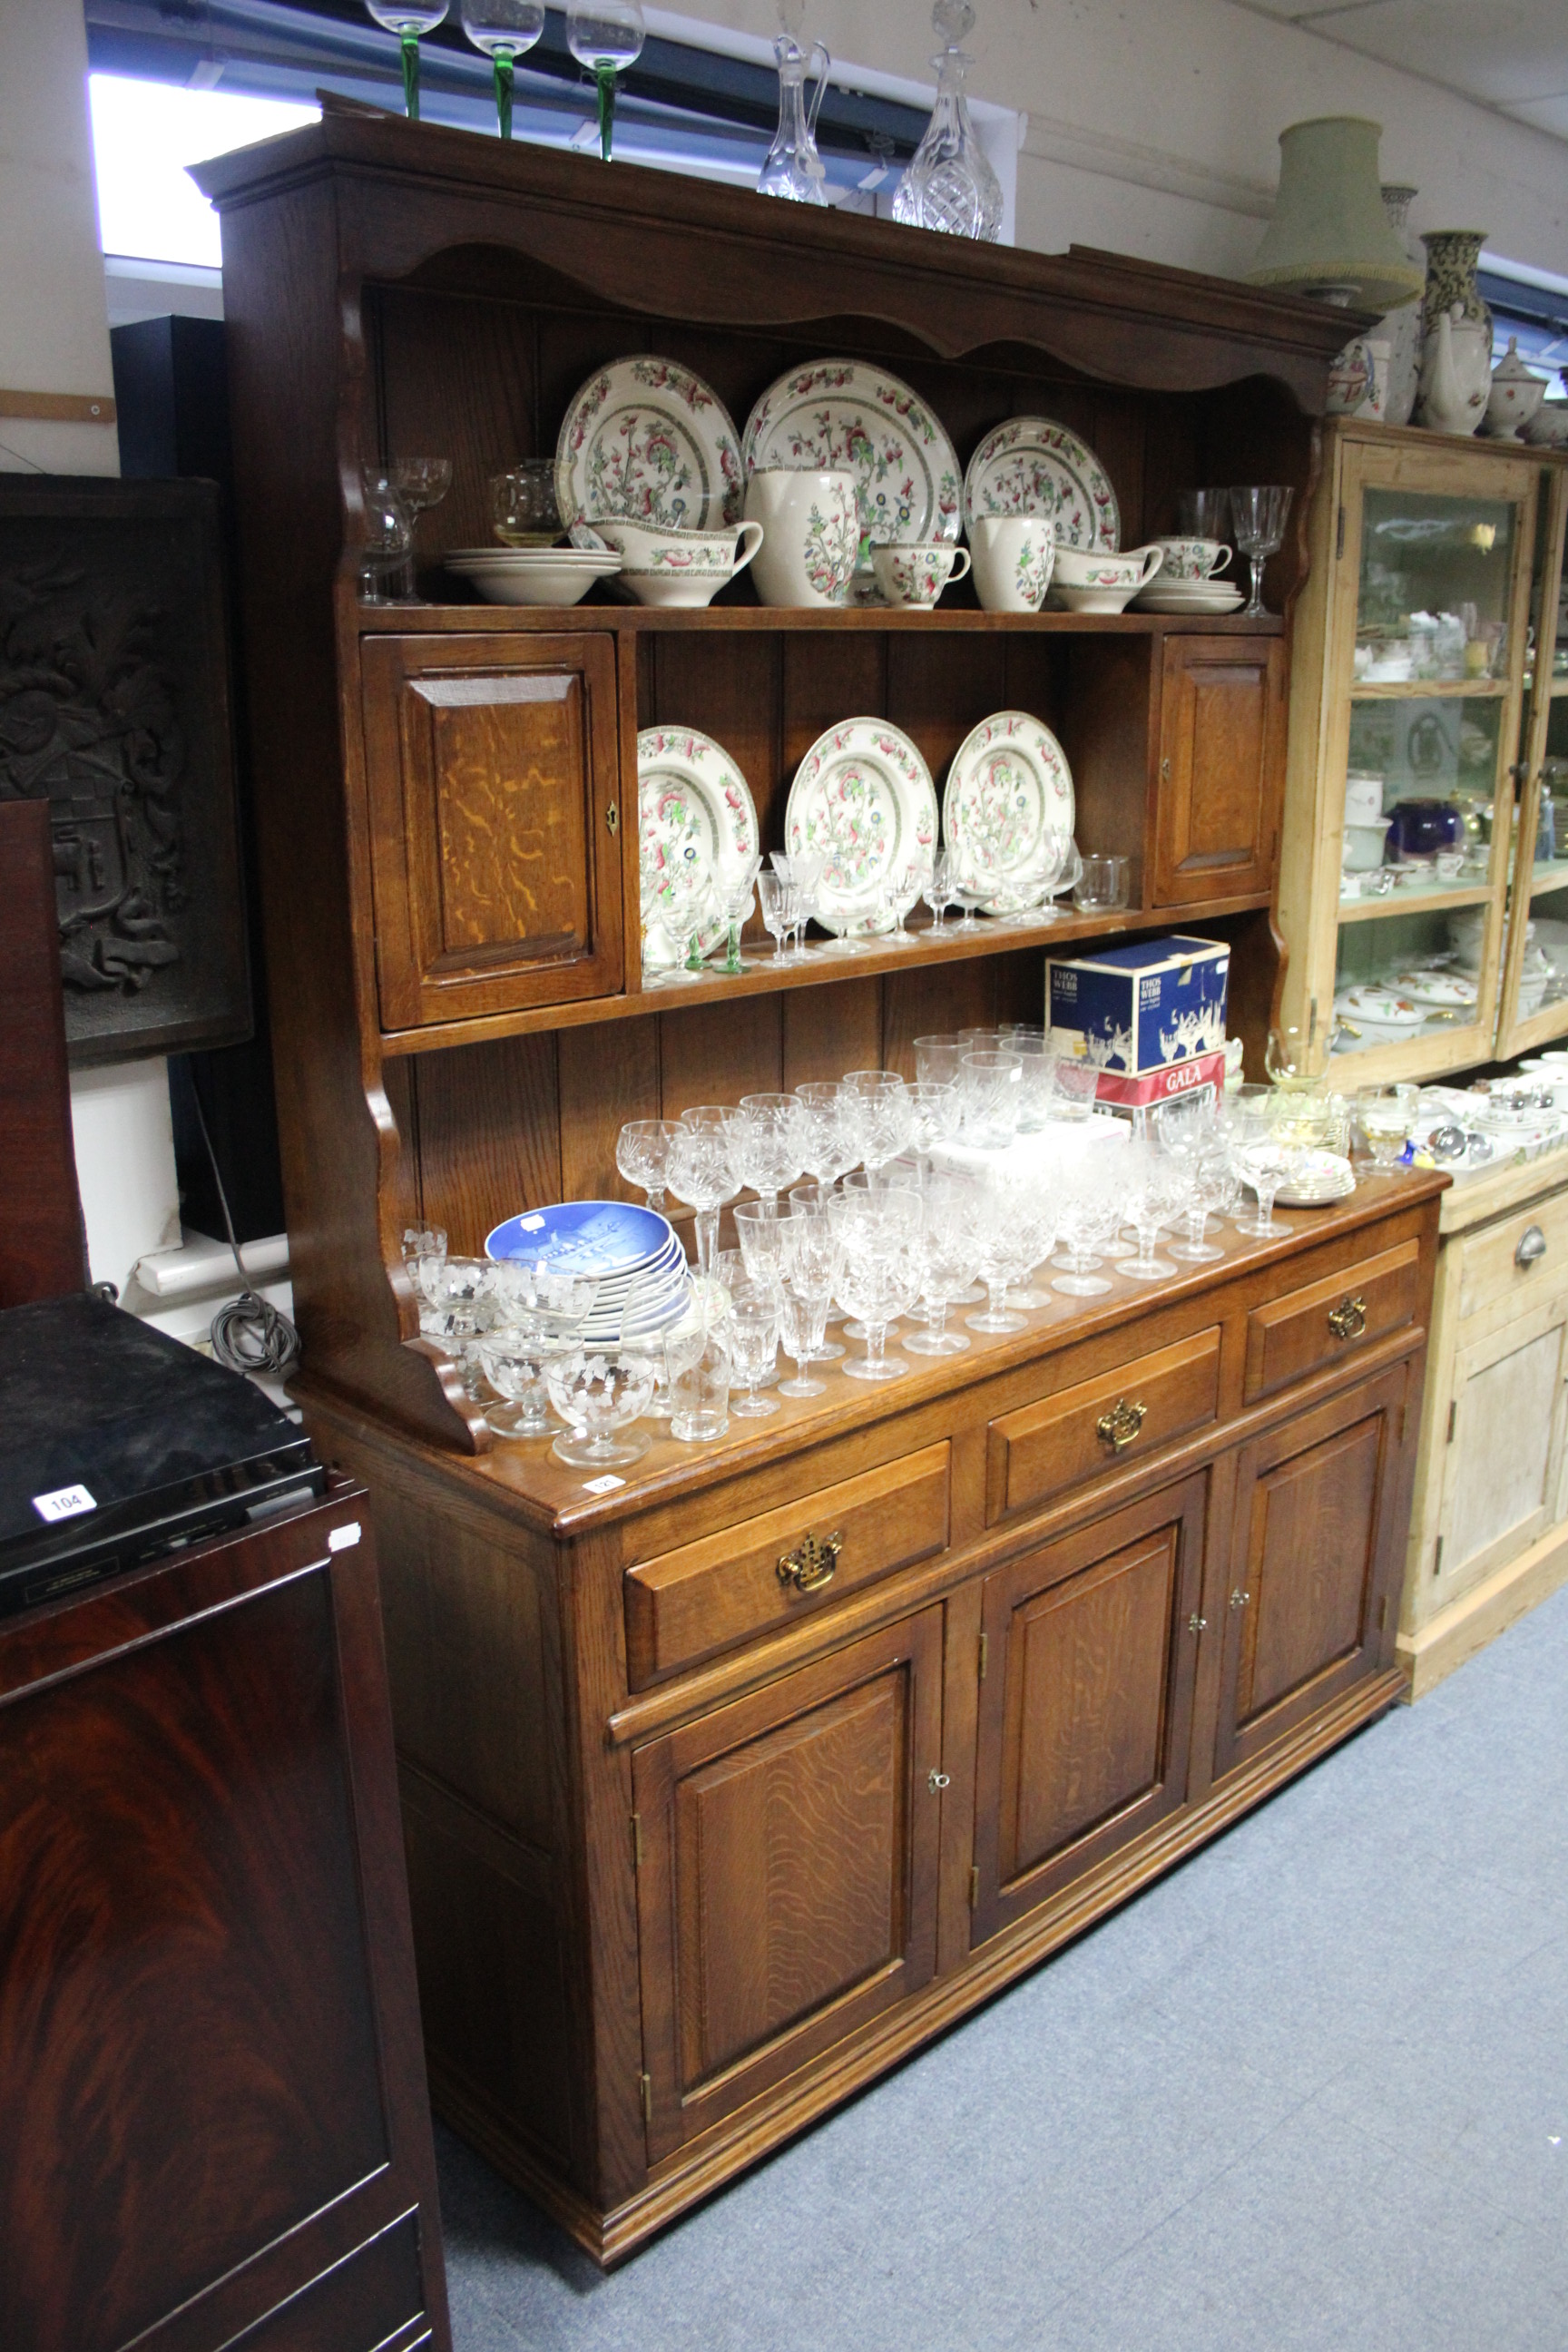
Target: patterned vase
{"type": "Point", "coordinates": [1451, 257]}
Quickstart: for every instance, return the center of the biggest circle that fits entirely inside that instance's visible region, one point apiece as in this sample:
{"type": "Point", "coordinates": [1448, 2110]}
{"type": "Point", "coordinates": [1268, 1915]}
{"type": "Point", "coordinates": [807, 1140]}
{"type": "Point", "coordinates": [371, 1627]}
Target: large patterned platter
{"type": "Point", "coordinates": [647, 440]}
{"type": "Point", "coordinates": [854, 418]}
{"type": "Point", "coordinates": [863, 797]}
{"type": "Point", "coordinates": [1032, 466]}
{"type": "Point", "coordinates": [697, 827]}
{"type": "Point", "coordinates": [1007, 811]}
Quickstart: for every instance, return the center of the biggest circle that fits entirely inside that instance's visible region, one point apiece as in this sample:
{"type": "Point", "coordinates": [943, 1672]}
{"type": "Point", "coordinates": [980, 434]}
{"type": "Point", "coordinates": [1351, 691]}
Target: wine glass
{"type": "Point", "coordinates": [948, 1258]}
{"type": "Point", "coordinates": [753, 1332]}
{"type": "Point", "coordinates": [938, 891]}
{"type": "Point", "coordinates": [408, 19]}
{"type": "Point", "coordinates": [1257, 518]}
{"type": "Point", "coordinates": [774, 899]}
{"type": "Point", "coordinates": [503, 30]}
{"type": "Point", "coordinates": [642, 1155]}
{"type": "Point", "coordinates": [737, 897]}
{"type": "Point", "coordinates": [877, 1114]}
{"type": "Point", "coordinates": [700, 1173]}
{"type": "Point", "coordinates": [878, 1271]}
{"type": "Point", "coordinates": [760, 1230]}
{"type": "Point", "coordinates": [799, 1317]}
{"type": "Point", "coordinates": [1152, 1200]}
{"type": "Point", "coordinates": [1385, 1115]}
{"type": "Point", "coordinates": [388, 541]}
{"type": "Point", "coordinates": [1087, 1213]}
{"type": "Point", "coordinates": [765, 1142]}
{"type": "Point", "coordinates": [934, 1113]}
{"type": "Point", "coordinates": [420, 483]}
{"type": "Point", "coordinates": [605, 36]}
{"type": "Point", "coordinates": [996, 1257]}
{"type": "Point", "coordinates": [1262, 1154]}
{"type": "Point", "coordinates": [811, 1269]}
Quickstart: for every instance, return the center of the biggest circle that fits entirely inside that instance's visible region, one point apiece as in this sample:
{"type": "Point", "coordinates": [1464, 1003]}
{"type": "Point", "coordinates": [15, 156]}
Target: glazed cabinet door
{"type": "Point", "coordinates": [1090, 1649]}
{"type": "Point", "coordinates": [1317, 1549]}
{"type": "Point", "coordinates": [786, 1885]}
{"type": "Point", "coordinates": [492, 769]}
{"type": "Point", "coordinates": [1221, 767]}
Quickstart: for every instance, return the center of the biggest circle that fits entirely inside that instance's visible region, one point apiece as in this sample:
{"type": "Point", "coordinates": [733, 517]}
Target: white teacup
{"type": "Point", "coordinates": [811, 544]}
{"type": "Point", "coordinates": [917, 574]}
{"type": "Point", "coordinates": [1014, 555]}
{"type": "Point", "coordinates": [1193, 559]}
{"type": "Point", "coordinates": [678, 567]}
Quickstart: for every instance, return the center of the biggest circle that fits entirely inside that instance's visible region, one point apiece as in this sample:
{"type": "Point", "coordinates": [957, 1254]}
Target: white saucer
{"type": "Point", "coordinates": [1170, 597]}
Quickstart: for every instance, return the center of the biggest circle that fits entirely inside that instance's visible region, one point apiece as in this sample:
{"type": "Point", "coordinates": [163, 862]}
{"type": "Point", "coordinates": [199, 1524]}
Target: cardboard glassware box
{"type": "Point", "coordinates": [1142, 1005]}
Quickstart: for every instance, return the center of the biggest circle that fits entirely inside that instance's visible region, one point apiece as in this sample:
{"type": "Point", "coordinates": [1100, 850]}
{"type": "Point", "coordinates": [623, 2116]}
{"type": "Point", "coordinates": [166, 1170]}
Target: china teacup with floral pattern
{"type": "Point", "coordinates": [1194, 560]}
{"type": "Point", "coordinates": [1014, 555]}
{"type": "Point", "coordinates": [917, 574]}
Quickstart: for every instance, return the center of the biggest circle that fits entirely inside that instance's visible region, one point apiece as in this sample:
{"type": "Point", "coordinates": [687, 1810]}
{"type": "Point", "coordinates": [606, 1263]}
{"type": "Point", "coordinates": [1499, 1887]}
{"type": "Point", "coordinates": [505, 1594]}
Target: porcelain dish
{"type": "Point", "coordinates": [1007, 811]}
{"type": "Point", "coordinates": [1377, 1016]}
{"type": "Point", "coordinates": [1451, 990]}
{"type": "Point", "coordinates": [646, 439]}
{"type": "Point", "coordinates": [531, 575]}
{"type": "Point", "coordinates": [1317, 1178]}
{"type": "Point", "coordinates": [634, 1254]}
{"type": "Point", "coordinates": [1176, 601]}
{"type": "Point", "coordinates": [1034, 465]}
{"type": "Point", "coordinates": [846, 415]}
{"type": "Point", "coordinates": [864, 798]}
{"type": "Point", "coordinates": [697, 829]}
{"type": "Point", "coordinates": [1094, 581]}
{"type": "Point", "coordinates": [674, 568]}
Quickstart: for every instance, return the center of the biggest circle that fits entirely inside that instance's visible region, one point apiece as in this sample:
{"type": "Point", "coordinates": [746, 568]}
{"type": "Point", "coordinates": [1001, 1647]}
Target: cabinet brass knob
{"type": "Point", "coordinates": [612, 818]}
{"type": "Point", "coordinates": [937, 1781]}
{"type": "Point", "coordinates": [1120, 1426]}
{"type": "Point", "coordinates": [811, 1564]}
{"type": "Point", "coordinates": [1195, 1623]}
{"type": "Point", "coordinates": [1531, 1246]}
{"type": "Point", "coordinates": [1348, 1320]}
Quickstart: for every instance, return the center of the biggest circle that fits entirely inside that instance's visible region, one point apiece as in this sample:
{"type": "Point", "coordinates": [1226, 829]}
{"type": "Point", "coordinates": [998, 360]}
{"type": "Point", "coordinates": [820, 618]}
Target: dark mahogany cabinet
{"type": "Point", "coordinates": [212, 2113]}
{"type": "Point", "coordinates": [1221, 767]}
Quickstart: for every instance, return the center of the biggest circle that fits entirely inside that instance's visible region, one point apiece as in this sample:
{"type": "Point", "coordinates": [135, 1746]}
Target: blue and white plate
{"type": "Point", "coordinates": [607, 1238]}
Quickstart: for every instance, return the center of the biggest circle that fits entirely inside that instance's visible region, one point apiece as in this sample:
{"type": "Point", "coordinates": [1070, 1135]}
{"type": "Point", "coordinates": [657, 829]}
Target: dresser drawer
{"type": "Point", "coordinates": [766, 1573]}
{"type": "Point", "coordinates": [1307, 1330]}
{"type": "Point", "coordinates": [1492, 1267]}
{"type": "Point", "coordinates": [1043, 1449]}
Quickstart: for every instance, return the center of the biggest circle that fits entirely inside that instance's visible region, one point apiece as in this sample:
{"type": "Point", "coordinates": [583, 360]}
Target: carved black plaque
{"type": "Point", "coordinates": [114, 707]}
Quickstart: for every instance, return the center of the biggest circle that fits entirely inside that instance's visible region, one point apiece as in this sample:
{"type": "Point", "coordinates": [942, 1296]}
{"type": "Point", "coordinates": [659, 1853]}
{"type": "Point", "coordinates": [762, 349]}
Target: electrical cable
{"type": "Point", "coordinates": [247, 1333]}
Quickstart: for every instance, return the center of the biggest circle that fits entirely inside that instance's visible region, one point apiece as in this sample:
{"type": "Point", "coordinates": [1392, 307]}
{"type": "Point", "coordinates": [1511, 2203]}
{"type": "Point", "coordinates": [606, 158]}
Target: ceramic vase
{"type": "Point", "coordinates": [1451, 257]}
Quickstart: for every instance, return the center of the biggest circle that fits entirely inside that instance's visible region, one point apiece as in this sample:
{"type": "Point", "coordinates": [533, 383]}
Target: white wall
{"type": "Point", "coordinates": [54, 337]}
{"type": "Point", "coordinates": [1153, 124]}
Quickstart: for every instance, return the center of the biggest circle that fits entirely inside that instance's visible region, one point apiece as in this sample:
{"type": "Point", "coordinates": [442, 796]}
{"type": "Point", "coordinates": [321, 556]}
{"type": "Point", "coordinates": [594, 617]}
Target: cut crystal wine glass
{"type": "Point", "coordinates": [1258, 520]}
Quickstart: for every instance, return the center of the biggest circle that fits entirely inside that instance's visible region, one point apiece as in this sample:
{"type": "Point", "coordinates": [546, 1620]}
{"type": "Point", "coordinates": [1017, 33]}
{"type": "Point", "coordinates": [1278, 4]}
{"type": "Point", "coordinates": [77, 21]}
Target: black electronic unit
{"type": "Point", "coordinates": [119, 1444]}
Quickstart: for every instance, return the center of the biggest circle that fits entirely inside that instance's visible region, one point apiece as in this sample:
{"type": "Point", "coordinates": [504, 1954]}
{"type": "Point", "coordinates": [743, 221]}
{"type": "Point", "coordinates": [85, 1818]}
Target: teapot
{"type": "Point", "coordinates": [1516, 395]}
{"type": "Point", "coordinates": [1455, 372]}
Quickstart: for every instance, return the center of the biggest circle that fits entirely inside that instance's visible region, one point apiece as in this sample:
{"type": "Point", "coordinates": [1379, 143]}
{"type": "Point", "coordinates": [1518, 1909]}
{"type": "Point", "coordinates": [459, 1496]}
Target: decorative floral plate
{"type": "Point", "coordinates": [698, 828]}
{"type": "Point", "coordinates": [858, 419]}
{"type": "Point", "coordinates": [647, 440]}
{"type": "Point", "coordinates": [1008, 810]}
{"type": "Point", "coordinates": [1031, 465]}
{"type": "Point", "coordinates": [864, 797]}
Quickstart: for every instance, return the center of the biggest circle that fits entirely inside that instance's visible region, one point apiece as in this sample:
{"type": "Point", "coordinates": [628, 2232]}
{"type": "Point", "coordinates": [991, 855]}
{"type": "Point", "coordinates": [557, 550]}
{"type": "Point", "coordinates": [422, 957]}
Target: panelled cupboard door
{"type": "Point", "coordinates": [787, 1879]}
{"type": "Point", "coordinates": [1317, 1553]}
{"type": "Point", "coordinates": [1501, 1466]}
{"type": "Point", "coordinates": [1085, 1707]}
{"type": "Point", "coordinates": [1222, 767]}
{"type": "Point", "coordinates": [495, 837]}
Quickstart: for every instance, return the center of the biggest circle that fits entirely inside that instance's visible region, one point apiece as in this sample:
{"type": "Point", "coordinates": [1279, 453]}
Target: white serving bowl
{"type": "Point", "coordinates": [1093, 580]}
{"type": "Point", "coordinates": [676, 567]}
{"type": "Point", "coordinates": [531, 576]}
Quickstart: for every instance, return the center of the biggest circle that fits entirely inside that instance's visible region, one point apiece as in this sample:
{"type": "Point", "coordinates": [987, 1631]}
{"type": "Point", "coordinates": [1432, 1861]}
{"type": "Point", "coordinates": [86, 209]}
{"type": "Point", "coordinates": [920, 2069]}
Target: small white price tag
{"type": "Point", "coordinates": [605, 1486]}
{"type": "Point", "coordinates": [339, 1538]}
{"type": "Point", "coordinates": [65, 1503]}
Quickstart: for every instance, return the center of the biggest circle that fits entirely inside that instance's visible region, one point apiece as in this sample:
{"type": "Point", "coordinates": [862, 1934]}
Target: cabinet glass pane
{"type": "Point", "coordinates": [1434, 590]}
{"type": "Point", "coordinates": [1420, 797]}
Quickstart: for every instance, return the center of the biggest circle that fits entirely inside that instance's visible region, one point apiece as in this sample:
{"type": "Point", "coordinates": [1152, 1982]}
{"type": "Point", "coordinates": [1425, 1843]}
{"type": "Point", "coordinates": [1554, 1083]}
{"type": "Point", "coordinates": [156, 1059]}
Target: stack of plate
{"type": "Point", "coordinates": [531, 575]}
{"type": "Point", "coordinates": [634, 1254]}
{"type": "Point", "coordinates": [1178, 597]}
{"type": "Point", "coordinates": [1315, 1179]}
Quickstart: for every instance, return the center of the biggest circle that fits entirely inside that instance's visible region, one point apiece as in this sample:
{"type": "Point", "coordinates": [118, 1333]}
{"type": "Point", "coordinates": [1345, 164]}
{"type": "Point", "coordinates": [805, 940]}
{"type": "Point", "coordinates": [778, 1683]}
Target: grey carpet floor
{"type": "Point", "coordinates": [1309, 2090]}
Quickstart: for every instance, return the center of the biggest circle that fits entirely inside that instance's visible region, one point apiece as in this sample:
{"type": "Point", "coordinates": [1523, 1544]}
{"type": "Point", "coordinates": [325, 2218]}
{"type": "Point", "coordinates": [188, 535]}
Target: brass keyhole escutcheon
{"type": "Point", "coordinates": [811, 1564]}
{"type": "Point", "coordinates": [612, 818]}
{"type": "Point", "coordinates": [1120, 1426]}
{"type": "Point", "coordinates": [1348, 1320]}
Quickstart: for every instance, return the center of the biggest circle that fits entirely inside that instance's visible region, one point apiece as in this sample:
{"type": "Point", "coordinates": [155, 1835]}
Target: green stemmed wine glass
{"type": "Point", "coordinates": [504, 30]}
{"type": "Point", "coordinates": [605, 36]}
{"type": "Point", "coordinates": [408, 19]}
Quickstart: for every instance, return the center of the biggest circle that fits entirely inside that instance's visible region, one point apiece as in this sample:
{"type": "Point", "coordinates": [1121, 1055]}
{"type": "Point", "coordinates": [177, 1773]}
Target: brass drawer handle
{"type": "Point", "coordinates": [1120, 1426]}
{"type": "Point", "coordinates": [1348, 1320]}
{"type": "Point", "coordinates": [1531, 1246]}
{"type": "Point", "coordinates": [811, 1564]}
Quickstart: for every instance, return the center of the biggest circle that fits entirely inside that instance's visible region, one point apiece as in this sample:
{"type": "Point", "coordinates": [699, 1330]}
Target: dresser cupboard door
{"type": "Point", "coordinates": [1221, 767]}
{"type": "Point", "coordinates": [787, 1873]}
{"type": "Point", "coordinates": [1502, 1465]}
{"type": "Point", "coordinates": [1317, 1550]}
{"type": "Point", "coordinates": [495, 837]}
{"type": "Point", "coordinates": [1086, 1705]}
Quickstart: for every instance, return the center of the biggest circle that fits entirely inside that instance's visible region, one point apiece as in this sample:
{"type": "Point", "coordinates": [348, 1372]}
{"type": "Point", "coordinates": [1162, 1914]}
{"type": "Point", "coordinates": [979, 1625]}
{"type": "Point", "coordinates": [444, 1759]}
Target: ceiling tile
{"type": "Point", "coordinates": [1506, 54]}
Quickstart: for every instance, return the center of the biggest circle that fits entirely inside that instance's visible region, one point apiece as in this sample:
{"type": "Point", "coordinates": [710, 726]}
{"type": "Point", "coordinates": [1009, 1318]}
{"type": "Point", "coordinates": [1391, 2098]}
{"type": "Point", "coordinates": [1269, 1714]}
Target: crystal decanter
{"type": "Point", "coordinates": [950, 184]}
{"type": "Point", "coordinates": [793, 169]}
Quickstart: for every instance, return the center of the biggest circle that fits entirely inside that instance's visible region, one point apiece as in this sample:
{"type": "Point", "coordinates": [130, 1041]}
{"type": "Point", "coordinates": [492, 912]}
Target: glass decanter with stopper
{"type": "Point", "coordinates": [793, 169]}
{"type": "Point", "coordinates": [949, 183]}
